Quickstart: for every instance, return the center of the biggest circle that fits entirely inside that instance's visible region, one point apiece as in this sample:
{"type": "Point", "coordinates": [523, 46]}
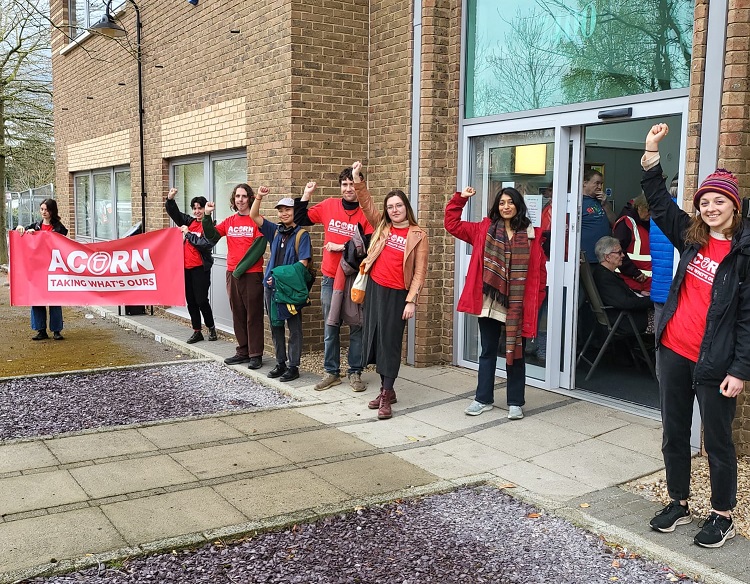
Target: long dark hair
{"type": "Point", "coordinates": [51, 204]}
{"type": "Point", "coordinates": [521, 219]}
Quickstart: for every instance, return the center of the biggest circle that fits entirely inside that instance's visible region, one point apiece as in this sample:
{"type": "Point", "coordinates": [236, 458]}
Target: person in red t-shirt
{"type": "Point", "coordinates": [340, 217]}
{"type": "Point", "coordinates": [198, 261]}
{"type": "Point", "coordinates": [703, 338]}
{"type": "Point", "coordinates": [397, 265]}
{"type": "Point", "coordinates": [50, 222]}
{"type": "Point", "coordinates": [245, 290]}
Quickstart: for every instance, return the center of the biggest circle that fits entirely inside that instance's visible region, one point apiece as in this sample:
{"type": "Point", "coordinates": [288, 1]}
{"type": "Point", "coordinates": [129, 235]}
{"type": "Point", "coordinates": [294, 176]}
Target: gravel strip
{"type": "Point", "coordinates": [469, 536]}
{"type": "Point", "coordinates": [51, 405]}
{"type": "Point", "coordinates": [654, 488]}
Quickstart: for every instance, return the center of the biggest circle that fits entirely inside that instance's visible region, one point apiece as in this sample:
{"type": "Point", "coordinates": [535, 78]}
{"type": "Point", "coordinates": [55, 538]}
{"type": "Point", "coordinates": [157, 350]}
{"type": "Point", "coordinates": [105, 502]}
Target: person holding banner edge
{"type": "Point", "coordinates": [50, 222]}
{"type": "Point", "coordinates": [197, 262]}
{"type": "Point", "coordinates": [244, 277]}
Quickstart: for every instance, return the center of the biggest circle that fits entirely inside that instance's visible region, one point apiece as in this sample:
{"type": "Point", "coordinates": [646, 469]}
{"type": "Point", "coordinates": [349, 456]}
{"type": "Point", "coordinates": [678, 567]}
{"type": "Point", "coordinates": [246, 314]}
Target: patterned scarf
{"type": "Point", "coordinates": [506, 264]}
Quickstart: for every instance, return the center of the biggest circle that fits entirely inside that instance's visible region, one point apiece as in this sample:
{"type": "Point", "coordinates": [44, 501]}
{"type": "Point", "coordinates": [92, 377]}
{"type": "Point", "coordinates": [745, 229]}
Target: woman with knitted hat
{"type": "Point", "coordinates": [703, 338]}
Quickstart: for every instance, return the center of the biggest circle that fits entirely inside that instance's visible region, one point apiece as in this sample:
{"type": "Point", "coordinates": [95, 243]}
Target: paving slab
{"type": "Point", "coordinates": [414, 395]}
{"type": "Point", "coordinates": [542, 481]}
{"type": "Point", "coordinates": [73, 534]}
{"type": "Point", "coordinates": [190, 432]}
{"type": "Point", "coordinates": [39, 491]}
{"type": "Point", "coordinates": [270, 421]}
{"type": "Point", "coordinates": [598, 463]}
{"type": "Point", "coordinates": [172, 514]}
{"type": "Point", "coordinates": [636, 437]}
{"type": "Point", "coordinates": [399, 430]}
{"type": "Point", "coordinates": [25, 455]}
{"type": "Point", "coordinates": [229, 459]}
{"type": "Point", "coordinates": [372, 475]}
{"type": "Point", "coordinates": [315, 444]}
{"type": "Point", "coordinates": [337, 412]}
{"type": "Point", "coordinates": [279, 493]}
{"type": "Point", "coordinates": [449, 380]}
{"type": "Point", "coordinates": [451, 417]}
{"type": "Point", "coordinates": [100, 445]}
{"type": "Point", "coordinates": [472, 452]}
{"type": "Point", "coordinates": [583, 417]}
{"type": "Point", "coordinates": [529, 437]}
{"type": "Point", "coordinates": [439, 463]}
{"type": "Point", "coordinates": [130, 476]}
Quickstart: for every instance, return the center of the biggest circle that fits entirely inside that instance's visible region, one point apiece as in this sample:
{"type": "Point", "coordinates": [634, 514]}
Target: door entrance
{"type": "Point", "coordinates": [619, 365]}
{"type": "Point", "coordinates": [545, 158]}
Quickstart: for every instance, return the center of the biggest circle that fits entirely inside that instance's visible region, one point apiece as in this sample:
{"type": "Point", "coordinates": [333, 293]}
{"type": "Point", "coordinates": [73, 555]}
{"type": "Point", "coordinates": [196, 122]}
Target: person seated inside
{"type": "Point", "coordinates": [612, 289]}
{"type": "Point", "coordinates": [632, 231]}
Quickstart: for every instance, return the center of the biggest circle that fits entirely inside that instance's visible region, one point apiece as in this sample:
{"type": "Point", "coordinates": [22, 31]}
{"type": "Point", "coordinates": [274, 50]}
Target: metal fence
{"type": "Point", "coordinates": [22, 208]}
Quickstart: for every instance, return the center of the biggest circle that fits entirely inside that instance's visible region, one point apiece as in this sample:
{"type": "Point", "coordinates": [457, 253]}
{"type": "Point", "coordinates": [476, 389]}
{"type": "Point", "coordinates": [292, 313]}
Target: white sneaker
{"type": "Point", "coordinates": [515, 413]}
{"type": "Point", "coordinates": [475, 408]}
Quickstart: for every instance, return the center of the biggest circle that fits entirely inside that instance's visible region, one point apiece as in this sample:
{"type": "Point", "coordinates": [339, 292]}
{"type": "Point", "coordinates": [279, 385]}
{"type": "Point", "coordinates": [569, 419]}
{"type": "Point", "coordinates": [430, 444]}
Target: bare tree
{"type": "Point", "coordinates": [25, 87]}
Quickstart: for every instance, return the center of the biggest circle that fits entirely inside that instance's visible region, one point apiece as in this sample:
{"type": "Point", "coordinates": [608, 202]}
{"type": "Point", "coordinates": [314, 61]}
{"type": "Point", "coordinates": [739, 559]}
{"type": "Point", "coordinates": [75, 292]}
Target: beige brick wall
{"type": "Point", "coordinates": [110, 150]}
{"type": "Point", "coordinates": [213, 128]}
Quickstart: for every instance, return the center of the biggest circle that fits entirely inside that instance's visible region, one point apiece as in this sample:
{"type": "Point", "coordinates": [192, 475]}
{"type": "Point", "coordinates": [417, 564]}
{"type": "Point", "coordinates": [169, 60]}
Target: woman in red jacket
{"type": "Point", "coordinates": [505, 286]}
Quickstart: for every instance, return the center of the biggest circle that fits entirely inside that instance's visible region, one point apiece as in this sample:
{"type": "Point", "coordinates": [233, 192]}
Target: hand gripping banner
{"type": "Point", "coordinates": [48, 269]}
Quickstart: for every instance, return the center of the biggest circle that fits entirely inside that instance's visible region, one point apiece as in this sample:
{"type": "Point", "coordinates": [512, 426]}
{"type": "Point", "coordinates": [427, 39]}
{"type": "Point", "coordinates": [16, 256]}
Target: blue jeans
{"type": "Point", "coordinates": [332, 337]}
{"type": "Point", "coordinates": [489, 332]}
{"type": "Point", "coordinates": [39, 318]}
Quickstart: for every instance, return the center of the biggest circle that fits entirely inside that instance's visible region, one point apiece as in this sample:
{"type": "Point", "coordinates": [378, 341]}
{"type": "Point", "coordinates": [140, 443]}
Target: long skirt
{"type": "Point", "coordinates": [384, 327]}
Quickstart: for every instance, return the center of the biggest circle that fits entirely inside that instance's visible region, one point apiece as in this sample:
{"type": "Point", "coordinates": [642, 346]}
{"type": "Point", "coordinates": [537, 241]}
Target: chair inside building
{"type": "Point", "coordinates": [618, 325]}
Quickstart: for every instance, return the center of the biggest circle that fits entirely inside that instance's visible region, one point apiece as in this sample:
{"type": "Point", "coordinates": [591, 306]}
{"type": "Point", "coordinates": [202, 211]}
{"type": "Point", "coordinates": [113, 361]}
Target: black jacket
{"type": "Point", "coordinates": [57, 227]}
{"type": "Point", "coordinates": [725, 347]}
{"type": "Point", "coordinates": [199, 242]}
{"type": "Point", "coordinates": [615, 292]}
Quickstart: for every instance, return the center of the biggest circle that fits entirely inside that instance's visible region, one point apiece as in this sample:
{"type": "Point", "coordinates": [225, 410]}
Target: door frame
{"type": "Point", "coordinates": [568, 169]}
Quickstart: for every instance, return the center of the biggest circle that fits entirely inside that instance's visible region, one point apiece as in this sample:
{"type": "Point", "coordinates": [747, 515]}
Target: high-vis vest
{"type": "Point", "coordinates": [638, 251]}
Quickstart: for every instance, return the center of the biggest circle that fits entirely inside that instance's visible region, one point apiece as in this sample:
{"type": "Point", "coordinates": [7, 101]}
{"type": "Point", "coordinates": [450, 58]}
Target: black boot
{"type": "Point", "coordinates": [195, 337]}
{"type": "Point", "coordinates": [290, 374]}
{"type": "Point", "coordinates": [40, 336]}
{"type": "Point", "coordinates": [212, 334]}
{"type": "Point", "coordinates": [277, 371]}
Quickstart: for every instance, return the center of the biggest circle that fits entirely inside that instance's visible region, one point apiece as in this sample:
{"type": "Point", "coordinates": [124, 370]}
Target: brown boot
{"type": "Point", "coordinates": [384, 411]}
{"type": "Point", "coordinates": [375, 404]}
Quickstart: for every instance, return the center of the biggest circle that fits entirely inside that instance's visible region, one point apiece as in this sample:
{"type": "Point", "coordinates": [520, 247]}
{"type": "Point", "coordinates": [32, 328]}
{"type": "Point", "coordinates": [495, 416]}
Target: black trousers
{"type": "Point", "coordinates": [197, 283]}
{"type": "Point", "coordinates": [677, 393]}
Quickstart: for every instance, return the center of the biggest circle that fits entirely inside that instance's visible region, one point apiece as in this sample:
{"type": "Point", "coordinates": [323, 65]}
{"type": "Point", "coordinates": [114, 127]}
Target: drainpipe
{"type": "Point", "coordinates": [416, 108]}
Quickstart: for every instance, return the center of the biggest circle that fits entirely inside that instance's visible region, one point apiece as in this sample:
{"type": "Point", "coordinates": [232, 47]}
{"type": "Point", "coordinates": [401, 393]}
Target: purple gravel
{"type": "Point", "coordinates": [51, 405]}
{"type": "Point", "coordinates": [468, 536]}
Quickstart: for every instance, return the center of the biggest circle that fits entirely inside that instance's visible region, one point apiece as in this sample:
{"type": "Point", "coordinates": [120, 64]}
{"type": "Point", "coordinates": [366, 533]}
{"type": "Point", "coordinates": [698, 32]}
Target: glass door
{"type": "Point", "coordinates": [524, 161]}
{"type": "Point", "coordinates": [561, 147]}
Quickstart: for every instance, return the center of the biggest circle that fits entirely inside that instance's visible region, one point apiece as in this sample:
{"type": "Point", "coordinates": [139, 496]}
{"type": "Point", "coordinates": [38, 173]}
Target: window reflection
{"type": "Point", "coordinates": [527, 55]}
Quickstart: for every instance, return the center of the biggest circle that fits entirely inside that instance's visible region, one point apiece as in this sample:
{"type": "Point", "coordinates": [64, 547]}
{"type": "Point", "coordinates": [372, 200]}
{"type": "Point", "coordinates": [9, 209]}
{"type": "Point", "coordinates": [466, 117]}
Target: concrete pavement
{"type": "Point", "coordinates": [73, 500]}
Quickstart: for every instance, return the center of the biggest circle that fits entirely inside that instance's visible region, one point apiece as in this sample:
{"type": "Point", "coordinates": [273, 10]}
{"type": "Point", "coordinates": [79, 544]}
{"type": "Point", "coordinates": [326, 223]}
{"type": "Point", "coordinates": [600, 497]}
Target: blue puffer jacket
{"type": "Point", "coordinates": [662, 260]}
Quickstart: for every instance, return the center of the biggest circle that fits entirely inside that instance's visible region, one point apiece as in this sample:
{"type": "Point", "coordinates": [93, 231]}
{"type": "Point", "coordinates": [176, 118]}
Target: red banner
{"type": "Point", "coordinates": [48, 269]}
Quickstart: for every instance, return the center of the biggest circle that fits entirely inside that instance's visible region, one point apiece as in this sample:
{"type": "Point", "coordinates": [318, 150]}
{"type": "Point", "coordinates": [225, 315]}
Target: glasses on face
{"type": "Point", "coordinates": [617, 251]}
{"type": "Point", "coordinates": [395, 207]}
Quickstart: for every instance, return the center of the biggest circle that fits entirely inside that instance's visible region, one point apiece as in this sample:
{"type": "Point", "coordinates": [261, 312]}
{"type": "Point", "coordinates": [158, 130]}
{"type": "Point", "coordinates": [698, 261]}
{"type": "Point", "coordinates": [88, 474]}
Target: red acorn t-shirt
{"type": "Point", "coordinates": [388, 269]}
{"type": "Point", "coordinates": [46, 227]}
{"type": "Point", "coordinates": [684, 331]}
{"type": "Point", "coordinates": [339, 225]}
{"type": "Point", "coordinates": [193, 258]}
{"type": "Point", "coordinates": [241, 232]}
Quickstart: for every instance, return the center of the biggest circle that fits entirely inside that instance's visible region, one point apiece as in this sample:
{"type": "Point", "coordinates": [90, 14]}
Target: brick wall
{"type": "Point", "coordinates": [734, 146]}
{"type": "Point", "coordinates": [110, 150]}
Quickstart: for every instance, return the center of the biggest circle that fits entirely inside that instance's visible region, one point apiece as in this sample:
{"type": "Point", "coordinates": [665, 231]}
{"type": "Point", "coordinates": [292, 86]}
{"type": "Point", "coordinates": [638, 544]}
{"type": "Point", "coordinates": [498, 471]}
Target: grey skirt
{"type": "Point", "coordinates": [384, 327]}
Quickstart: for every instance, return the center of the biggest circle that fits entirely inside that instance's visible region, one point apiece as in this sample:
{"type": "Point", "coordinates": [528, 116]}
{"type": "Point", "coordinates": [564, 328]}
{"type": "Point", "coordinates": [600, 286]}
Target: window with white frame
{"type": "Point", "coordinates": [103, 203]}
{"type": "Point", "coordinates": [212, 176]}
{"type": "Point", "coordinates": [83, 13]}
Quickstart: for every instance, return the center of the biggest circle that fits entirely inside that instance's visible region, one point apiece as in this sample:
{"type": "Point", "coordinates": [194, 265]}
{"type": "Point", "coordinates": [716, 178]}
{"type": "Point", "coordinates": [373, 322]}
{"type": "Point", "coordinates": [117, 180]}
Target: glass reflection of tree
{"type": "Point", "coordinates": [572, 51]}
{"type": "Point", "coordinates": [636, 46]}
